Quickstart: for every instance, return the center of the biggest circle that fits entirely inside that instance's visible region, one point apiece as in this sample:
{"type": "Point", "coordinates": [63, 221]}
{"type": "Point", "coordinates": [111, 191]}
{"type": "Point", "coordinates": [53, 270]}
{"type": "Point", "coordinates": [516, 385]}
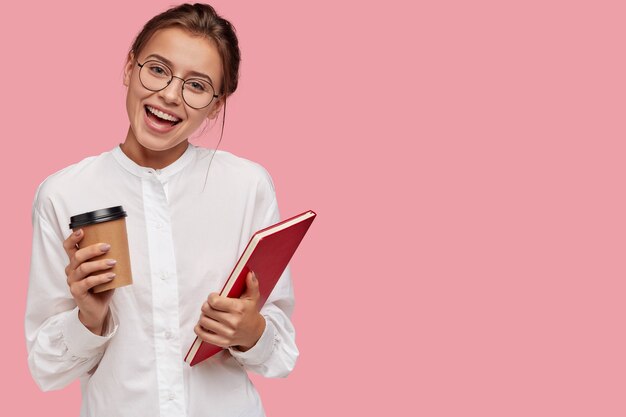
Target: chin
{"type": "Point", "coordinates": [155, 145]}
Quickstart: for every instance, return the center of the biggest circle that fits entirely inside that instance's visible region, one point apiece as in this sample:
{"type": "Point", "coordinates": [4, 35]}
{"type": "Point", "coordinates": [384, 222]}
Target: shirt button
{"type": "Point", "coordinates": [159, 225]}
{"type": "Point", "coordinates": [168, 335]}
{"type": "Point", "coordinates": [172, 396]}
{"type": "Point", "coordinates": [74, 358]}
{"type": "Point", "coordinates": [163, 275]}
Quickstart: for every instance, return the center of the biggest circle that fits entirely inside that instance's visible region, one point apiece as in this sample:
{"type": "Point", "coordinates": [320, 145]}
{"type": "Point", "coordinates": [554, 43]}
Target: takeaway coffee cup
{"type": "Point", "coordinates": [107, 226]}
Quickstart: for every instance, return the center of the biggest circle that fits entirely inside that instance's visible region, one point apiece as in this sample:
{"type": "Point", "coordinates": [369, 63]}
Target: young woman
{"type": "Point", "coordinates": [190, 212]}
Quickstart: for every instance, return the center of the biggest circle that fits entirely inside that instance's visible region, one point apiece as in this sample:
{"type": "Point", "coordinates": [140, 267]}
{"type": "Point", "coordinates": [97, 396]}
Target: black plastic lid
{"type": "Point", "coordinates": [97, 216]}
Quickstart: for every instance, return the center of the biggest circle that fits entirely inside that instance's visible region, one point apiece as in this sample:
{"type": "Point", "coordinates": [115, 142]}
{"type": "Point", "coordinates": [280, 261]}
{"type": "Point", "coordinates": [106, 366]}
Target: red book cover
{"type": "Point", "coordinates": [268, 253]}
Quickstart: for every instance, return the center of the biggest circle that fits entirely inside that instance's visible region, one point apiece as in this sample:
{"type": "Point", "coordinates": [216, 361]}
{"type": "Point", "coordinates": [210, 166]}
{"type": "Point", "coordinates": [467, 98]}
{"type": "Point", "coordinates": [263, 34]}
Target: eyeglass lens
{"type": "Point", "coordinates": [155, 76]}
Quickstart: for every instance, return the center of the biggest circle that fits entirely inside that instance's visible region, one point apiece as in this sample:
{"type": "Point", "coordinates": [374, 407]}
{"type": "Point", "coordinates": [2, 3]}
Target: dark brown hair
{"type": "Point", "coordinates": [199, 20]}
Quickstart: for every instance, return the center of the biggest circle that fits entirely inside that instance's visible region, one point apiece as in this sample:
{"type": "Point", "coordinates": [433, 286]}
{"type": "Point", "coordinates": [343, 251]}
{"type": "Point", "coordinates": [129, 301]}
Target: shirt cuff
{"type": "Point", "coordinates": [263, 348]}
{"type": "Point", "coordinates": [80, 341]}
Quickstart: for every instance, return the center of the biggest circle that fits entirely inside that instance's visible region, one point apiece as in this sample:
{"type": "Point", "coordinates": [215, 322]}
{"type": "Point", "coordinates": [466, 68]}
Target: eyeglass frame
{"type": "Point", "coordinates": [168, 83]}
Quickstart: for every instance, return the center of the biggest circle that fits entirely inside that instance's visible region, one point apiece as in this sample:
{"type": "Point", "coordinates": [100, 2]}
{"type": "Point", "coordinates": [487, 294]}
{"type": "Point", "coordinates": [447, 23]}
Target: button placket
{"type": "Point", "coordinates": [164, 293]}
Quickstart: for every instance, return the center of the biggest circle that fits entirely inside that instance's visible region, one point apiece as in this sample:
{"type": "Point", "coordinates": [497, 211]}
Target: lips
{"type": "Point", "coordinates": [161, 116]}
{"type": "Point", "coordinates": [158, 124]}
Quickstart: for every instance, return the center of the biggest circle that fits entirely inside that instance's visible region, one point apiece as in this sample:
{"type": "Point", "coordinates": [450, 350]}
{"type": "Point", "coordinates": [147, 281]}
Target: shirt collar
{"type": "Point", "coordinates": [146, 172]}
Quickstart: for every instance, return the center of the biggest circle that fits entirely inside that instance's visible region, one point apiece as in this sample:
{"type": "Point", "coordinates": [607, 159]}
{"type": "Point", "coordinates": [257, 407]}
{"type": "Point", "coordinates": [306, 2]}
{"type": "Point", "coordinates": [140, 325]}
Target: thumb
{"type": "Point", "coordinates": [252, 286]}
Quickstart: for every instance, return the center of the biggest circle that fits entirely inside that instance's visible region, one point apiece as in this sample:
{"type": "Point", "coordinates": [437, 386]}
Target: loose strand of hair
{"type": "Point", "coordinates": [206, 177]}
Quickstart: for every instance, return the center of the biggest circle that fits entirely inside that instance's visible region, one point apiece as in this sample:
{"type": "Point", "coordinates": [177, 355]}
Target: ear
{"type": "Point", "coordinates": [128, 68]}
{"type": "Point", "coordinates": [215, 110]}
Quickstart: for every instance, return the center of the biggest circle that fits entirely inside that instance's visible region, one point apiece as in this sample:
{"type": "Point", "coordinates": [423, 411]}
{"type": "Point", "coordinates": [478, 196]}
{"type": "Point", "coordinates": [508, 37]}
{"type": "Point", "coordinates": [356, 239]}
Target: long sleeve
{"type": "Point", "coordinates": [182, 242]}
{"type": "Point", "coordinates": [60, 348]}
{"type": "Point", "coordinates": [275, 353]}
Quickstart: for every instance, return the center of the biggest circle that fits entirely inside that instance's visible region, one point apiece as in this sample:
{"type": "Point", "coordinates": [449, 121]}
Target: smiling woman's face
{"type": "Point", "coordinates": [187, 56]}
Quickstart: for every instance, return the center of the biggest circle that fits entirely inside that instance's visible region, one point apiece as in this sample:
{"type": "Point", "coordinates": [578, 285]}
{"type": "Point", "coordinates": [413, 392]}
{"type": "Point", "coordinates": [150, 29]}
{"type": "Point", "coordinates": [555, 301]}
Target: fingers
{"type": "Point", "coordinates": [232, 321]}
{"type": "Point", "coordinates": [79, 289]}
{"type": "Point", "coordinates": [72, 240]}
{"type": "Point", "coordinates": [220, 316]}
{"type": "Point", "coordinates": [233, 305]}
{"type": "Point", "coordinates": [86, 253]}
{"type": "Point", "coordinates": [252, 286]}
{"type": "Point", "coordinates": [213, 326]}
{"type": "Point", "coordinates": [210, 337]}
{"type": "Point", "coordinates": [216, 327]}
{"type": "Point", "coordinates": [88, 268]}
{"type": "Point", "coordinates": [225, 304]}
{"type": "Point", "coordinates": [77, 256]}
{"type": "Point", "coordinates": [91, 251]}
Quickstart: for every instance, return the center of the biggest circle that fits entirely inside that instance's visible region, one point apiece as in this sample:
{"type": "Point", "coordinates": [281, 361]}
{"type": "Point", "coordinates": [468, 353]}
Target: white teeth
{"type": "Point", "coordinates": [162, 115]}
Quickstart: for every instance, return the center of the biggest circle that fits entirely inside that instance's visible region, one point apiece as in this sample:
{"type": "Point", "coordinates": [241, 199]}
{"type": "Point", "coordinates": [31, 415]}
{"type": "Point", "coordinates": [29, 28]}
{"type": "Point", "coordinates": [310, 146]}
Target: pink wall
{"type": "Point", "coordinates": [466, 160]}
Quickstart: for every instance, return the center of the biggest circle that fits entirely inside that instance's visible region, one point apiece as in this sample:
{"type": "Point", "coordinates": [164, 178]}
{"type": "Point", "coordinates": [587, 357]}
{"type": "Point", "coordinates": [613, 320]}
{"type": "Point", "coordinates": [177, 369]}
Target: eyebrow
{"type": "Point", "coordinates": [168, 62]}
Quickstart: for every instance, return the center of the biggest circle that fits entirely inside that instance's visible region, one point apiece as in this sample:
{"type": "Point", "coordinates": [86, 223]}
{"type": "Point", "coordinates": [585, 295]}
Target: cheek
{"type": "Point", "coordinates": [131, 105]}
{"type": "Point", "coordinates": [194, 121]}
{"type": "Point", "coordinates": [134, 96]}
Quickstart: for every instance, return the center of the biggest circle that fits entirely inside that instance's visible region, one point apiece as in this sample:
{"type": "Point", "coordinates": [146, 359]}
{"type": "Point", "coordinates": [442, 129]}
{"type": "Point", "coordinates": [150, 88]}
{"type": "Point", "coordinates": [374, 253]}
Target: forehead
{"type": "Point", "coordinates": [185, 51]}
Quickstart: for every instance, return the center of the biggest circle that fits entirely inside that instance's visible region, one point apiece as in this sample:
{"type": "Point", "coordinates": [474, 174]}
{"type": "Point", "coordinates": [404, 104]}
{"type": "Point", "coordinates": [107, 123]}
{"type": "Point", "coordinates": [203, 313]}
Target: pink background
{"type": "Point", "coordinates": [466, 160]}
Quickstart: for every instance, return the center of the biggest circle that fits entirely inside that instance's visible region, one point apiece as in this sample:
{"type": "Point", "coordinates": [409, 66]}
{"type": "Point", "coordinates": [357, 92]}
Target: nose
{"type": "Point", "coordinates": [173, 92]}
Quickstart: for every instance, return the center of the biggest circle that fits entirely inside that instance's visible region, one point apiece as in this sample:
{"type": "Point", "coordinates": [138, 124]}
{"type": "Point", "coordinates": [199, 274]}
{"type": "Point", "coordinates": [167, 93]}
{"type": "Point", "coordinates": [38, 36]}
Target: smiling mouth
{"type": "Point", "coordinates": [160, 117]}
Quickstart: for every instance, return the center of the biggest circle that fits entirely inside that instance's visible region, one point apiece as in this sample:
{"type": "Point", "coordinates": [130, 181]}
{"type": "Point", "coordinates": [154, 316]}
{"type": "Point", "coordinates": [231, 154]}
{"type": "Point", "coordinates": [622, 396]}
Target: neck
{"type": "Point", "coordinates": [149, 158]}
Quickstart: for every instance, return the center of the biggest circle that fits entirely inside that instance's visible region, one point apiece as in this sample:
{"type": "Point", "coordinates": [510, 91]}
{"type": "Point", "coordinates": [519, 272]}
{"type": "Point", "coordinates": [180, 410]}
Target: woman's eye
{"type": "Point", "coordinates": [197, 86]}
{"type": "Point", "coordinates": [157, 70]}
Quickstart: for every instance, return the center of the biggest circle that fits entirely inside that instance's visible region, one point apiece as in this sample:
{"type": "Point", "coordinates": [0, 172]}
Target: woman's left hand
{"type": "Point", "coordinates": [232, 322]}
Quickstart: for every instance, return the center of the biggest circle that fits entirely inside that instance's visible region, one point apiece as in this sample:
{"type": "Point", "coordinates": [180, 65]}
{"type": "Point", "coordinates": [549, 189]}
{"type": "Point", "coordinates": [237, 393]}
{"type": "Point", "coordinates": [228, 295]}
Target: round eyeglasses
{"type": "Point", "coordinates": [155, 76]}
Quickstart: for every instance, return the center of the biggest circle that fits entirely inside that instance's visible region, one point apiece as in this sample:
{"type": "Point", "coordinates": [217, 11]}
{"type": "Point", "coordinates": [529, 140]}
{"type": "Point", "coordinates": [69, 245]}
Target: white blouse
{"type": "Point", "coordinates": [184, 241]}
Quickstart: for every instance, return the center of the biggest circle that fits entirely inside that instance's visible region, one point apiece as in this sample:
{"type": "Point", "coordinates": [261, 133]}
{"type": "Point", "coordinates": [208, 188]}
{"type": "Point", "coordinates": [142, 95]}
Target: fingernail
{"type": "Point", "coordinates": [105, 247]}
{"type": "Point", "coordinates": [111, 262]}
{"type": "Point", "coordinates": [110, 276]}
{"type": "Point", "coordinates": [78, 232]}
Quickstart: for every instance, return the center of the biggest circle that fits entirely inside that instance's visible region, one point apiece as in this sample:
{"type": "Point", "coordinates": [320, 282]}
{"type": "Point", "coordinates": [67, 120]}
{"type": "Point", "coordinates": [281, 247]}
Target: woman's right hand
{"type": "Point", "coordinates": [93, 308]}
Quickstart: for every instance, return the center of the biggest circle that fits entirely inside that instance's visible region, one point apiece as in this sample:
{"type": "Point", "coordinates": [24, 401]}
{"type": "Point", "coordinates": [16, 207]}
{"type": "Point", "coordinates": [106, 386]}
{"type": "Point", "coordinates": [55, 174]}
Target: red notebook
{"type": "Point", "coordinates": [267, 255]}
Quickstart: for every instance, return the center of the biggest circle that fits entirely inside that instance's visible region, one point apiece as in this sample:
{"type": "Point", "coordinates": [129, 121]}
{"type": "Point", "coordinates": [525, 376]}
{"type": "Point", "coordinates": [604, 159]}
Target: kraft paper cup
{"type": "Point", "coordinates": [106, 226]}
